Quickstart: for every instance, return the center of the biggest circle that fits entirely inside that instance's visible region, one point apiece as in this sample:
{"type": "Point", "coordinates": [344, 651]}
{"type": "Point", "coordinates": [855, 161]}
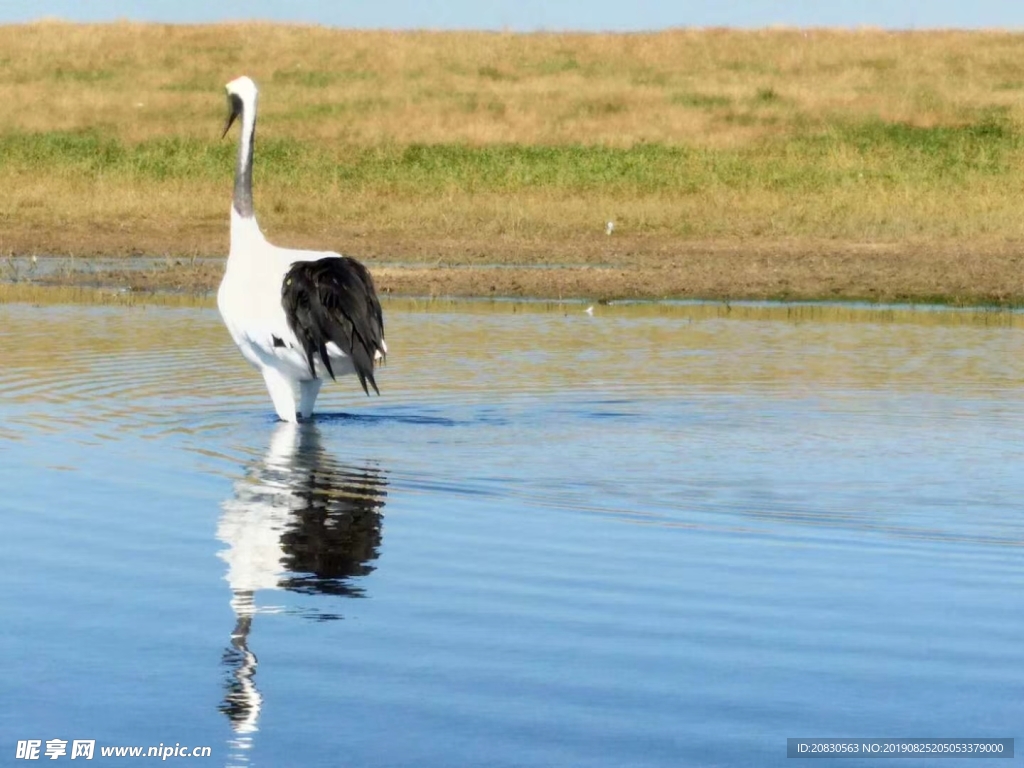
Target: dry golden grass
{"type": "Point", "coordinates": [706, 88]}
{"type": "Point", "coordinates": [695, 142]}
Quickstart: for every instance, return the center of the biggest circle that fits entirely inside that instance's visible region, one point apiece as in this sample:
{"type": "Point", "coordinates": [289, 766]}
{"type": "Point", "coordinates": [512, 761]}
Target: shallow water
{"type": "Point", "coordinates": [654, 536]}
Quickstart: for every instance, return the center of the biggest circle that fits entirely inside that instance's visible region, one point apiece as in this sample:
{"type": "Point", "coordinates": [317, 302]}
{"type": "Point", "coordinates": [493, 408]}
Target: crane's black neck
{"type": "Point", "coordinates": [243, 171]}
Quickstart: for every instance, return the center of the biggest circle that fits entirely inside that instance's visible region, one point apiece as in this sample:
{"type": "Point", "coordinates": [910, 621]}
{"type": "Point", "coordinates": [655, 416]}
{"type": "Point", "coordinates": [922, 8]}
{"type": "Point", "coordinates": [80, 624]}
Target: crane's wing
{"type": "Point", "coordinates": [334, 300]}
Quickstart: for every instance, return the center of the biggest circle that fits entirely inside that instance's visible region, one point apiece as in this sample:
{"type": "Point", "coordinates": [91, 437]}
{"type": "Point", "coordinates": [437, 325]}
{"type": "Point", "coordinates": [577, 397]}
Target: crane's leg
{"type": "Point", "coordinates": [310, 389]}
{"type": "Point", "coordinates": [283, 392]}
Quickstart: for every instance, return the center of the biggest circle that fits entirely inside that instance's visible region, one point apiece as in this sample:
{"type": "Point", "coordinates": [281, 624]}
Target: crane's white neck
{"type": "Point", "coordinates": [246, 236]}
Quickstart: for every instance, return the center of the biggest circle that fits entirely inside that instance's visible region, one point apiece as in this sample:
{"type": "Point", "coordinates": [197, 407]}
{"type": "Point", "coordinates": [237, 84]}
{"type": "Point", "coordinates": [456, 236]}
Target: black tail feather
{"type": "Point", "coordinates": [334, 300]}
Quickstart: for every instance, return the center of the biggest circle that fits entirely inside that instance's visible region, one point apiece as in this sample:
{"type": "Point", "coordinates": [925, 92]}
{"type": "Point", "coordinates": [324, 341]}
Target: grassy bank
{"type": "Point", "coordinates": [799, 164]}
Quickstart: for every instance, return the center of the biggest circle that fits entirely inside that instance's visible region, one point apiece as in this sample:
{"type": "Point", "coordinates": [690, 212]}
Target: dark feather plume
{"type": "Point", "coordinates": [333, 299]}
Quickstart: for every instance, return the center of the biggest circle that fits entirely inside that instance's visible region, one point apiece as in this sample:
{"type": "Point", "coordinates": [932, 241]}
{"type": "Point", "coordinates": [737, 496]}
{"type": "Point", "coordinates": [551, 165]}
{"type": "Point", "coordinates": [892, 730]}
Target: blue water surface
{"type": "Point", "coordinates": [643, 538]}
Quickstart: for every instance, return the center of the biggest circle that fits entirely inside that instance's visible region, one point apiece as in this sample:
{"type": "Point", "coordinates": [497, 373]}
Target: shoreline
{"type": "Point", "coordinates": [987, 274]}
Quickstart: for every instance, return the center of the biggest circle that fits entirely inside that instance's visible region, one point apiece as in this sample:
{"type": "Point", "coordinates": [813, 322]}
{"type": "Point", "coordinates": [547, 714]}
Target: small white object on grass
{"type": "Point", "coordinates": [590, 310]}
{"type": "Point", "coordinates": [609, 227]}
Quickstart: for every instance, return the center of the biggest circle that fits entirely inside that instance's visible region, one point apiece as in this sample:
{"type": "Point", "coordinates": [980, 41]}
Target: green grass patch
{"type": "Point", "coordinates": [493, 73]}
{"type": "Point", "coordinates": [92, 154]}
{"type": "Point", "coordinates": [943, 152]}
{"type": "Point", "coordinates": [565, 61]}
{"type": "Point", "coordinates": [701, 100]}
{"type": "Point", "coordinates": [817, 159]}
{"type": "Point", "coordinates": [767, 96]}
{"type": "Point", "coordinates": [71, 75]}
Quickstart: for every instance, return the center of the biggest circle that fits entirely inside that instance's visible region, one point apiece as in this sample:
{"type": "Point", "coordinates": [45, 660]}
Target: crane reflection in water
{"type": "Point", "coordinates": [299, 520]}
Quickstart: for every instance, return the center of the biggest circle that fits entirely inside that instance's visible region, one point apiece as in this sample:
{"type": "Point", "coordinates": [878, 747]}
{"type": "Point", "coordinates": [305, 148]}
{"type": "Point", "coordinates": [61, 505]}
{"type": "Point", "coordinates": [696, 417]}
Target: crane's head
{"type": "Point", "coordinates": [241, 96]}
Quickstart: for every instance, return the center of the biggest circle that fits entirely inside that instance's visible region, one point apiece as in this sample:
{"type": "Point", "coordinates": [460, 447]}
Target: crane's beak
{"type": "Point", "coordinates": [234, 110]}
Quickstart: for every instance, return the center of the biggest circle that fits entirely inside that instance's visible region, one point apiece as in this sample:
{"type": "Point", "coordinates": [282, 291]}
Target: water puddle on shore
{"type": "Point", "coordinates": [651, 536]}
